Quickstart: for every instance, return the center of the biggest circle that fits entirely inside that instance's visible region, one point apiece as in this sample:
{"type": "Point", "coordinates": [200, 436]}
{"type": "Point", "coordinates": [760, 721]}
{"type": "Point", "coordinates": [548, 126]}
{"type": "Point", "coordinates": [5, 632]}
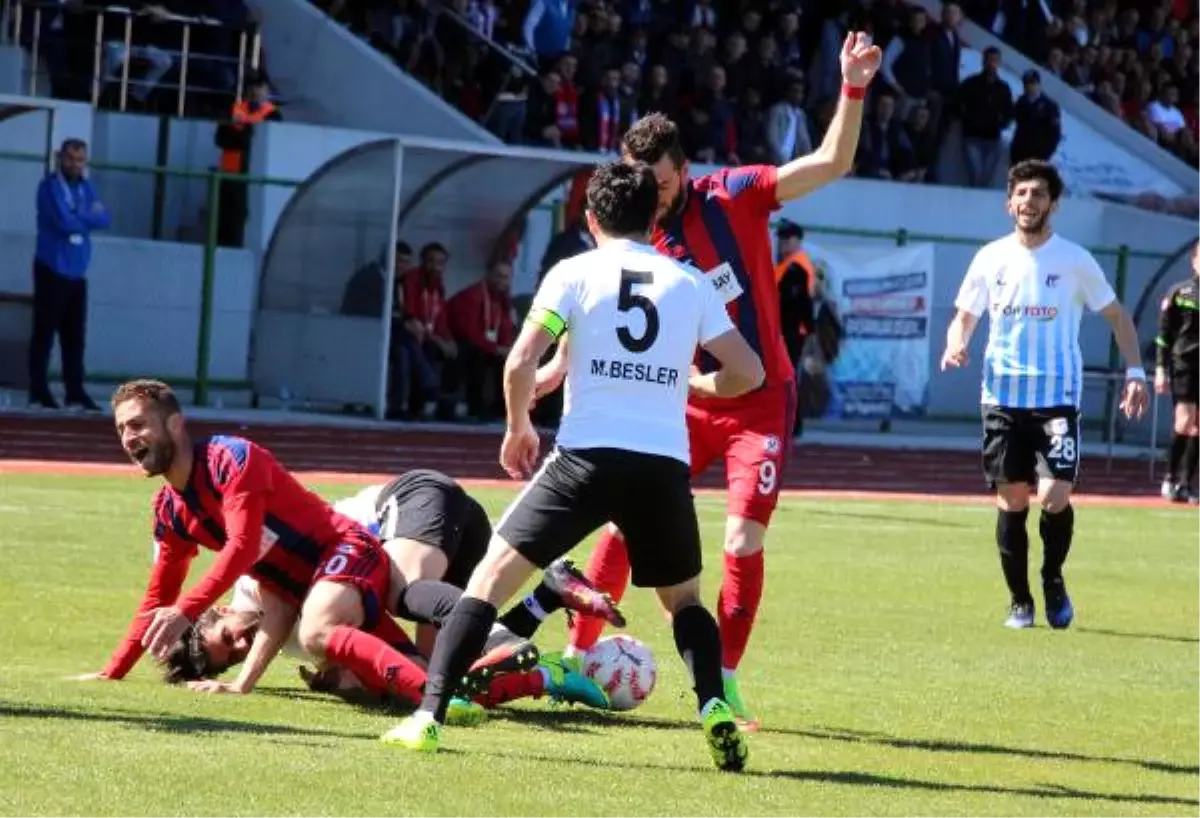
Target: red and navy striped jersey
{"type": "Point", "coordinates": [724, 230]}
{"type": "Point", "coordinates": [243, 504]}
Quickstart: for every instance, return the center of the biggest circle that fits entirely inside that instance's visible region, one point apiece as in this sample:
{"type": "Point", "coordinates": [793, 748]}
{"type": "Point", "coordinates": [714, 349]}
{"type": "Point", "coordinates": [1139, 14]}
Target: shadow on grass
{"type": "Point", "coordinates": [950, 746]}
{"type": "Point", "coordinates": [863, 779]}
{"type": "Point", "coordinates": [885, 518]}
{"type": "Point", "coordinates": [584, 720]}
{"type": "Point", "coordinates": [168, 722]}
{"type": "Point", "coordinates": [1155, 637]}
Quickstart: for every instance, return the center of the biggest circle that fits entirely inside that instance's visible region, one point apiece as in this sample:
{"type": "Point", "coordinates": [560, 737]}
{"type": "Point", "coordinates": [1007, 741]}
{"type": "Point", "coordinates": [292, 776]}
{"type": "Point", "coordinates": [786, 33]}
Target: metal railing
{"type": "Point", "coordinates": [51, 30]}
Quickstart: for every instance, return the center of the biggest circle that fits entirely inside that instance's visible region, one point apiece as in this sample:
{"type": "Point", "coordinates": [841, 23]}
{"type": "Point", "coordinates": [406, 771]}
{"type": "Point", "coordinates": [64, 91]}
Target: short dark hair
{"type": "Point", "coordinates": [188, 661]}
{"type": "Point", "coordinates": [1029, 170]}
{"type": "Point", "coordinates": [651, 138]}
{"type": "Point", "coordinates": [403, 248]}
{"type": "Point", "coordinates": [623, 196]}
{"type": "Point", "coordinates": [434, 247]}
{"type": "Point", "coordinates": [73, 143]}
{"type": "Point", "coordinates": [990, 50]}
{"type": "Point", "coordinates": [151, 391]}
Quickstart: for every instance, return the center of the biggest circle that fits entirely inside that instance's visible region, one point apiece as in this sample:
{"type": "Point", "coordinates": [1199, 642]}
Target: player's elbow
{"type": "Point", "coordinates": [745, 375]}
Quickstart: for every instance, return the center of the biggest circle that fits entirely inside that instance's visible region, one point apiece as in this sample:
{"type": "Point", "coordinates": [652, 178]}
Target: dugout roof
{"type": "Point", "coordinates": [470, 197]}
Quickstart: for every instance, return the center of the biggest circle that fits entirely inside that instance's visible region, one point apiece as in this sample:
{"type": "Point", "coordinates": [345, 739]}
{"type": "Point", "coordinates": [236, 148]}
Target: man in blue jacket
{"type": "Point", "coordinates": [68, 210]}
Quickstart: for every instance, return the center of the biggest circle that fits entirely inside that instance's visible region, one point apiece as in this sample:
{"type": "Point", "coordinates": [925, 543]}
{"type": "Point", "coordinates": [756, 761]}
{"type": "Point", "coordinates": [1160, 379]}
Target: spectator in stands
{"type": "Point", "coordinates": [703, 15]}
{"type": "Point", "coordinates": [234, 138]}
{"type": "Point", "coordinates": [1106, 97]}
{"type": "Point", "coordinates": [541, 115]}
{"type": "Point", "coordinates": [68, 210]}
{"type": "Point", "coordinates": [658, 96]}
{"type": "Point", "coordinates": [736, 62]}
{"type": "Point", "coordinates": [986, 110]}
{"type": "Point", "coordinates": [908, 63]}
{"type": "Point", "coordinates": [924, 141]}
{"type": "Point", "coordinates": [600, 115]}
{"type": "Point", "coordinates": [1083, 74]}
{"type": "Point", "coordinates": [786, 41]}
{"type": "Point", "coordinates": [132, 30]}
{"type": "Point", "coordinates": [947, 57]}
{"type": "Point", "coordinates": [548, 26]}
{"type": "Point", "coordinates": [627, 93]}
{"type": "Point", "coordinates": [1039, 123]}
{"type": "Point", "coordinates": [751, 125]}
{"type": "Point", "coordinates": [638, 51]}
{"type": "Point", "coordinates": [714, 120]}
{"type": "Point", "coordinates": [481, 319]}
{"type": "Point", "coordinates": [566, 103]}
{"type": "Point", "coordinates": [510, 106]}
{"type": "Point", "coordinates": [425, 323]}
{"type": "Point", "coordinates": [884, 151]}
{"type": "Point", "coordinates": [1164, 113]}
{"type": "Point", "coordinates": [826, 74]}
{"type": "Point", "coordinates": [601, 50]}
{"type": "Point", "coordinates": [788, 133]}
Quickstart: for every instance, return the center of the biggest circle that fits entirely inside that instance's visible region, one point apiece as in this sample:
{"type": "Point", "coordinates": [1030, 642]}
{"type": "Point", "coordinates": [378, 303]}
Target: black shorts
{"type": "Point", "coordinates": [433, 509]}
{"type": "Point", "coordinates": [1185, 386]}
{"type": "Point", "coordinates": [649, 497]}
{"type": "Point", "coordinates": [1023, 445]}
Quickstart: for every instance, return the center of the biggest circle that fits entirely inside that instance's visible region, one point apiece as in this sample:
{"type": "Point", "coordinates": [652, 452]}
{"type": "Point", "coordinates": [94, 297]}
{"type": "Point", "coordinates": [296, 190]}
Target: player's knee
{"type": "Point", "coordinates": [677, 597]}
{"type": "Point", "coordinates": [1055, 497]}
{"type": "Point", "coordinates": [500, 574]}
{"type": "Point", "coordinates": [1187, 419]}
{"type": "Point", "coordinates": [744, 536]}
{"type": "Point", "coordinates": [1012, 496]}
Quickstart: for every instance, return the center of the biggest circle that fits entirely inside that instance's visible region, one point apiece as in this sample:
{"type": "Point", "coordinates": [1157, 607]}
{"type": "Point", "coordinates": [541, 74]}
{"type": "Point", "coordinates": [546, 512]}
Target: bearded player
{"type": "Point", "coordinates": [720, 224]}
{"type": "Point", "coordinates": [231, 496]}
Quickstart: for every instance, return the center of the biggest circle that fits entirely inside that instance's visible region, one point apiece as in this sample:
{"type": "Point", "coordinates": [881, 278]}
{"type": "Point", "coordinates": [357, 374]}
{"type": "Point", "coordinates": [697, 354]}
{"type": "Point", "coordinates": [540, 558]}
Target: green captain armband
{"type": "Point", "coordinates": [548, 320]}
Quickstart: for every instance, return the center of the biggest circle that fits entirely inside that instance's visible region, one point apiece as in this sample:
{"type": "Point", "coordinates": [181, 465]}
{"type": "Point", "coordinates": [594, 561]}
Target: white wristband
{"type": "Point", "coordinates": [1135, 373]}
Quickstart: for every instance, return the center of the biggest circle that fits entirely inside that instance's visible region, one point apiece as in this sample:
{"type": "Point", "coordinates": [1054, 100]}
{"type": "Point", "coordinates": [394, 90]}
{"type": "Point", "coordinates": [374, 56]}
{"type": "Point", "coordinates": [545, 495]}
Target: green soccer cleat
{"type": "Point", "coordinates": [419, 733]}
{"type": "Point", "coordinates": [566, 684]}
{"type": "Point", "coordinates": [464, 713]}
{"type": "Point", "coordinates": [745, 719]}
{"type": "Point", "coordinates": [725, 740]}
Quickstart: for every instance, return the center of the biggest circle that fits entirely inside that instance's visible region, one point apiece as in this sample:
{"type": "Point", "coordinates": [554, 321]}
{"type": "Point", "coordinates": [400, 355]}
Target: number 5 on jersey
{"type": "Point", "coordinates": [628, 300]}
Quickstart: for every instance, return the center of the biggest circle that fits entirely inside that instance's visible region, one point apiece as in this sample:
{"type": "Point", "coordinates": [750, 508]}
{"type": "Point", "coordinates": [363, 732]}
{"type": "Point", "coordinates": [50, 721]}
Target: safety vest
{"type": "Point", "coordinates": [231, 160]}
{"type": "Point", "coordinates": [801, 258]}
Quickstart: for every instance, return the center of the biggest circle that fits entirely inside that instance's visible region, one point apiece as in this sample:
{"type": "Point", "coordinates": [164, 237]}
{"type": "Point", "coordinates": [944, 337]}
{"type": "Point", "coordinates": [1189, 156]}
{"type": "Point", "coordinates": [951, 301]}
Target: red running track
{"type": "Point", "coordinates": [62, 443]}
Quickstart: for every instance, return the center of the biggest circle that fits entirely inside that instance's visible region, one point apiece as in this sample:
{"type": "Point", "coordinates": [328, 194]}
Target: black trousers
{"type": "Point", "coordinates": [59, 306]}
{"type": "Point", "coordinates": [483, 374]}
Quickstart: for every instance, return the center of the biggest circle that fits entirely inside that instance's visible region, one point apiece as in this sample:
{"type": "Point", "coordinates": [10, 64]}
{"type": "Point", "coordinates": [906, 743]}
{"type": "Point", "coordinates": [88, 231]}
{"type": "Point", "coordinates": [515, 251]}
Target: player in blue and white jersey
{"type": "Point", "coordinates": [1034, 285]}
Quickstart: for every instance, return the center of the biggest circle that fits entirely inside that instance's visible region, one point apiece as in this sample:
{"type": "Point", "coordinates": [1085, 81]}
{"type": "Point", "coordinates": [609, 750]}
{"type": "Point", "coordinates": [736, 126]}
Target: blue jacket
{"type": "Point", "coordinates": [66, 216]}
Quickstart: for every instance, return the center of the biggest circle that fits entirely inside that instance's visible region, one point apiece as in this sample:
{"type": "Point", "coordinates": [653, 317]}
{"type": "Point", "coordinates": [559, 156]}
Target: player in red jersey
{"type": "Point", "coordinates": [231, 496]}
{"type": "Point", "coordinates": [719, 224]}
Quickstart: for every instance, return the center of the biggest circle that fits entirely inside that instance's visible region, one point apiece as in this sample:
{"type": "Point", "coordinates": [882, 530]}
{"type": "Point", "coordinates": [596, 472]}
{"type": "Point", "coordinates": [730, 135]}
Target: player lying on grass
{"type": "Point", "coordinates": [432, 528]}
{"type": "Point", "coordinates": [223, 635]}
{"type": "Point", "coordinates": [231, 496]}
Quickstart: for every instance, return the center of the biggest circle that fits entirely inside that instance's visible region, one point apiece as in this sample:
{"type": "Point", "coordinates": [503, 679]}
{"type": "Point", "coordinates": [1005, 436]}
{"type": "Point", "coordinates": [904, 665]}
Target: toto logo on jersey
{"type": "Point", "coordinates": [1034, 312]}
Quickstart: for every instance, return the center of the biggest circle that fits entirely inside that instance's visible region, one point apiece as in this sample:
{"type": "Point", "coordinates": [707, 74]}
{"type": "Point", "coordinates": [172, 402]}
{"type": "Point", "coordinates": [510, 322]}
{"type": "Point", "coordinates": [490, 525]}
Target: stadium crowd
{"type": "Point", "coordinates": [1137, 60]}
{"type": "Point", "coordinates": [749, 82]}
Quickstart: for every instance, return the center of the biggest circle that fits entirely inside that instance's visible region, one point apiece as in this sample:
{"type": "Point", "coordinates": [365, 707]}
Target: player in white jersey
{"type": "Point", "coordinates": [635, 318]}
{"type": "Point", "coordinates": [1034, 285]}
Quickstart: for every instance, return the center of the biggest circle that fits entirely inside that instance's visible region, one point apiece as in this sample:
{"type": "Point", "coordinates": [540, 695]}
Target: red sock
{"type": "Point", "coordinates": [378, 665]}
{"type": "Point", "coordinates": [608, 568]}
{"type": "Point", "coordinates": [512, 686]}
{"type": "Point", "coordinates": [389, 631]}
{"type": "Point", "coordinates": [741, 591]}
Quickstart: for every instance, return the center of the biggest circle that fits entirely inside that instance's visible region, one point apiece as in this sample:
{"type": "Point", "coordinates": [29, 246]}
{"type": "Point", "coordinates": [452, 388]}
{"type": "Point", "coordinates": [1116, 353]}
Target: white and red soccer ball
{"type": "Point", "coordinates": [624, 668]}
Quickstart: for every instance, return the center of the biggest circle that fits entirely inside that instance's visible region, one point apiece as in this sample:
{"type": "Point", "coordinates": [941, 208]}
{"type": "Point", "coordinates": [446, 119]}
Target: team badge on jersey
{"type": "Point", "coordinates": [1057, 426]}
{"type": "Point", "coordinates": [725, 281]}
{"type": "Point", "coordinates": [771, 445]}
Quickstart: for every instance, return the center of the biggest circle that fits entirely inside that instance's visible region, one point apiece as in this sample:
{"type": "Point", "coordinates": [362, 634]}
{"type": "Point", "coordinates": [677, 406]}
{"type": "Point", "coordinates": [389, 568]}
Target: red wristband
{"type": "Point", "coordinates": [854, 91]}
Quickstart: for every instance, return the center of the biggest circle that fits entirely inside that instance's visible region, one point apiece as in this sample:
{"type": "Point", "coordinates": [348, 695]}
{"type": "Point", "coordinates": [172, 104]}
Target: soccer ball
{"type": "Point", "coordinates": [624, 668]}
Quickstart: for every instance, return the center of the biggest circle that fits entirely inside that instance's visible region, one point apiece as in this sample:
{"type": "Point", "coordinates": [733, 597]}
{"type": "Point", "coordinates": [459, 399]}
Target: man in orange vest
{"type": "Point", "coordinates": [234, 138]}
{"type": "Point", "coordinates": [794, 275]}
